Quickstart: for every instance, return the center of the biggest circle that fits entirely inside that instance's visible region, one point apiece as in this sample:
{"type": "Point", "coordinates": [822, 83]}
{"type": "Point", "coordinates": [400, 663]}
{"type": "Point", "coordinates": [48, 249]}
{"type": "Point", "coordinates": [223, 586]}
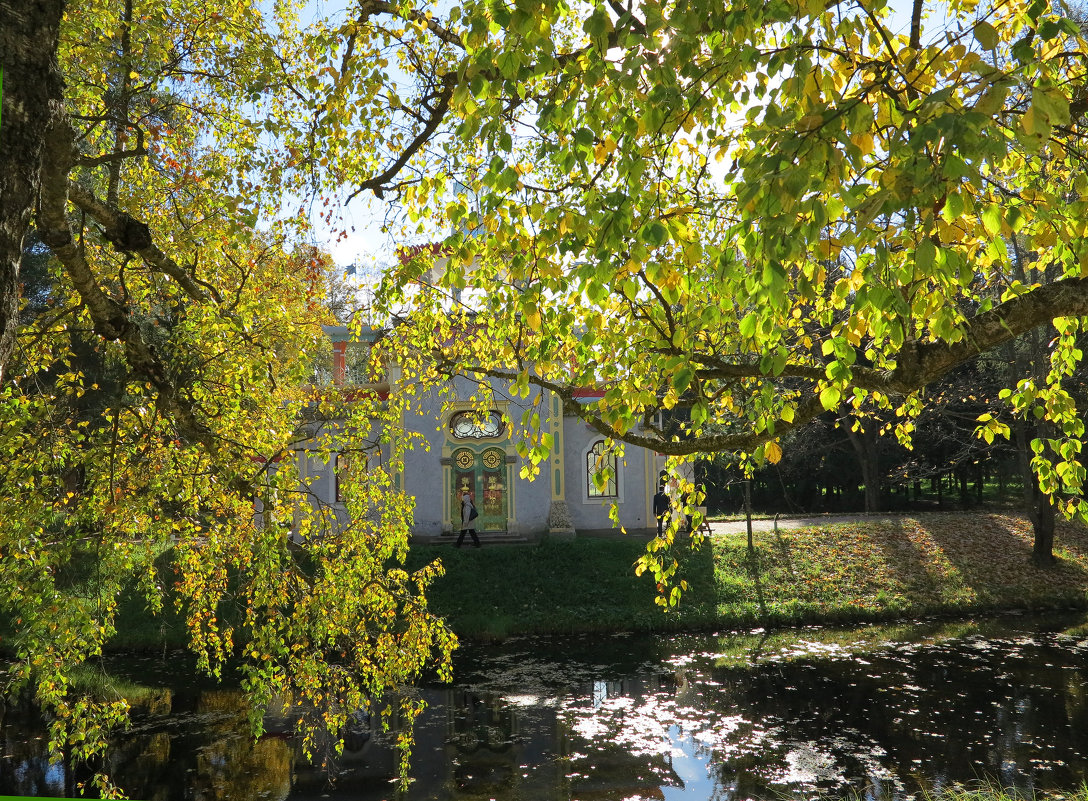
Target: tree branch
{"type": "Point", "coordinates": [919, 364]}
{"type": "Point", "coordinates": [115, 220]}
{"type": "Point", "coordinates": [378, 183]}
{"type": "Point", "coordinates": [111, 320]}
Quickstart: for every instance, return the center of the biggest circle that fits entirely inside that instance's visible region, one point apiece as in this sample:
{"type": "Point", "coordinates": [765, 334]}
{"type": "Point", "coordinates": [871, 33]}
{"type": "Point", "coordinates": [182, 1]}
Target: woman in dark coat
{"type": "Point", "coordinates": [468, 515]}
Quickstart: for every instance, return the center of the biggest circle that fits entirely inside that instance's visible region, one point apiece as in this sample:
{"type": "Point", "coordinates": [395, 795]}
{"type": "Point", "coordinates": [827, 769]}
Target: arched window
{"type": "Point", "coordinates": [602, 472]}
{"type": "Point", "coordinates": [467, 425]}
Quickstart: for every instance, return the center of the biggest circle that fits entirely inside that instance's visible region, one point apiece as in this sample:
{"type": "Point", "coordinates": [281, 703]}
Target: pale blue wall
{"type": "Point", "coordinates": [424, 475]}
{"type": "Point", "coordinates": [424, 478]}
{"type": "Point", "coordinates": [593, 513]}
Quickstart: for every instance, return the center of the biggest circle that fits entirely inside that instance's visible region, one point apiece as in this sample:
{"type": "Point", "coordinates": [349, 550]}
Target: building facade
{"type": "Point", "coordinates": [461, 451]}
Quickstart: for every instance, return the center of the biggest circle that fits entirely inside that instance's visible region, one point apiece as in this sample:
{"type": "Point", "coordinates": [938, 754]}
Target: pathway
{"type": "Point", "coordinates": [805, 521]}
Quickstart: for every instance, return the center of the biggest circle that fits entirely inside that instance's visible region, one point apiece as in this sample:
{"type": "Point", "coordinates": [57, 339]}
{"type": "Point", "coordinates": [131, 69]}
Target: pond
{"type": "Point", "coordinates": [880, 712]}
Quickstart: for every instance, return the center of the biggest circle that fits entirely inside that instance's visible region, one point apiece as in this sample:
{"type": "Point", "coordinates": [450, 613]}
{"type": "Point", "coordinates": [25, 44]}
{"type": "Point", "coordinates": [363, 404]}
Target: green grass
{"type": "Point", "coordinates": [991, 791]}
{"type": "Point", "coordinates": [946, 564]}
{"type": "Point", "coordinates": [92, 680]}
{"type": "Point", "coordinates": [957, 563]}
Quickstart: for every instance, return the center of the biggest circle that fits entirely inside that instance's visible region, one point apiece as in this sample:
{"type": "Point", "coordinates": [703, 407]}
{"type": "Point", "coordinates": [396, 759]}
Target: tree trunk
{"type": "Point", "coordinates": [864, 441]}
{"type": "Point", "coordinates": [31, 87]}
{"type": "Point", "coordinates": [1041, 510]}
{"type": "Point", "coordinates": [1042, 521]}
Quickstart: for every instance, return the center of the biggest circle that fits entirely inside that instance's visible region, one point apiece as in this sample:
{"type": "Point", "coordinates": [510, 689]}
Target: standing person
{"type": "Point", "coordinates": [468, 514]}
{"type": "Point", "coordinates": [661, 508]}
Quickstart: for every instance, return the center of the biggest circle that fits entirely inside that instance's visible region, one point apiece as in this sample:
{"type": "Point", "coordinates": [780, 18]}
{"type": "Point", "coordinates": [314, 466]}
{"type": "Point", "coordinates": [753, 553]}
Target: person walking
{"type": "Point", "coordinates": [468, 515]}
{"type": "Point", "coordinates": [661, 509]}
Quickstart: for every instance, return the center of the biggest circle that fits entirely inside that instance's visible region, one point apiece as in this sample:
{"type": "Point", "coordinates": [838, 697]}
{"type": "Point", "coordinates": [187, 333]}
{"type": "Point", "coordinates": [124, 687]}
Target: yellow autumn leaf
{"type": "Point", "coordinates": [773, 451]}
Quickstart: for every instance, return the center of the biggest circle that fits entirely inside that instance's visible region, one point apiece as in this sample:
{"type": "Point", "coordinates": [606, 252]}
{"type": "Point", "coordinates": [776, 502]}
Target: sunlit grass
{"type": "Point", "coordinates": [989, 791]}
{"type": "Point", "coordinates": [946, 564]}
{"type": "Point", "coordinates": [92, 680]}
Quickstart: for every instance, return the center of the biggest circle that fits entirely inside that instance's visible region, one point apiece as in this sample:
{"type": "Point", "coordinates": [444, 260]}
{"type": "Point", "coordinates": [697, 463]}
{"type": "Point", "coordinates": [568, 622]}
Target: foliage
{"type": "Point", "coordinates": [159, 391]}
{"type": "Point", "coordinates": [759, 213]}
{"type": "Point", "coordinates": [754, 213]}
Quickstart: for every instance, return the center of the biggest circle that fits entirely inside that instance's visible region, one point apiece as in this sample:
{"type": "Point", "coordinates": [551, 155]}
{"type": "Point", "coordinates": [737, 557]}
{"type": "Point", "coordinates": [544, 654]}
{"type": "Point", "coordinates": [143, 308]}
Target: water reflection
{"type": "Point", "coordinates": [883, 713]}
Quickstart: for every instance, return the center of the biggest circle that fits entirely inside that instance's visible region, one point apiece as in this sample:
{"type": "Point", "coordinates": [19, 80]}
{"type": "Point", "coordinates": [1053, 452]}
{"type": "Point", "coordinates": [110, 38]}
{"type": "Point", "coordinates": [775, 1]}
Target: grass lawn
{"type": "Point", "coordinates": [952, 563]}
{"type": "Point", "coordinates": [935, 563]}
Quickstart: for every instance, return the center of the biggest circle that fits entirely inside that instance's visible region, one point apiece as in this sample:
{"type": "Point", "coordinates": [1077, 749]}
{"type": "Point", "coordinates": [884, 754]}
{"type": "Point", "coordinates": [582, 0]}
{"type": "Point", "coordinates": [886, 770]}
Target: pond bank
{"type": "Point", "coordinates": [864, 570]}
{"type": "Point", "coordinates": [950, 564]}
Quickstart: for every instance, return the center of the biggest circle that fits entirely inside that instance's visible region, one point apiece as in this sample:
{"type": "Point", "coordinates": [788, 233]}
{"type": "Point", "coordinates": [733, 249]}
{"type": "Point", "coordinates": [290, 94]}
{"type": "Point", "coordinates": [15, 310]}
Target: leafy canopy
{"type": "Point", "coordinates": [160, 388]}
{"type": "Point", "coordinates": [753, 212]}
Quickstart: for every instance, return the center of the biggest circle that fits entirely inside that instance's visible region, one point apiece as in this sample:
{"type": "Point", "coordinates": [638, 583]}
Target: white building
{"type": "Point", "coordinates": [480, 455]}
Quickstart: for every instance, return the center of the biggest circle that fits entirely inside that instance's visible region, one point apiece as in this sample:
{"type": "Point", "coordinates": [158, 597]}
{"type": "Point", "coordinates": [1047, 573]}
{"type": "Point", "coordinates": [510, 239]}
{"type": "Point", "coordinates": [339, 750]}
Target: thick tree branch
{"type": "Point", "coordinates": [111, 320]}
{"type": "Point", "coordinates": [369, 7]}
{"type": "Point", "coordinates": [919, 364]}
{"type": "Point", "coordinates": [115, 222]}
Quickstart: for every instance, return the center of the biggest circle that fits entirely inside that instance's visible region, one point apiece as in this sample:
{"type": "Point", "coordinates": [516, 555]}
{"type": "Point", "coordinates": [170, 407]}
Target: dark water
{"type": "Point", "coordinates": [878, 712]}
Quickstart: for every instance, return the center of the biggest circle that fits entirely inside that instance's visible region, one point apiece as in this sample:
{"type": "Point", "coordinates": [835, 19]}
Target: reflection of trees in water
{"type": "Point", "coordinates": [208, 753]}
{"type": "Point", "coordinates": [925, 716]}
{"type": "Point", "coordinates": [882, 724]}
{"type": "Point", "coordinates": [477, 722]}
{"type": "Point", "coordinates": [481, 746]}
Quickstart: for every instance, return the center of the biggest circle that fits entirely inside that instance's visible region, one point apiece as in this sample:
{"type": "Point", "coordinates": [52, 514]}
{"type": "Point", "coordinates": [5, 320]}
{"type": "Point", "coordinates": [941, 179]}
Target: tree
{"type": "Point", "coordinates": [29, 96]}
{"type": "Point", "coordinates": [155, 390]}
{"type": "Point", "coordinates": [759, 212]}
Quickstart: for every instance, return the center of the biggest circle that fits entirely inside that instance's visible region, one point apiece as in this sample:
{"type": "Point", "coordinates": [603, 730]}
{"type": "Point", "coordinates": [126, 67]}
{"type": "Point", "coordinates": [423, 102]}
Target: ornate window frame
{"type": "Point", "coordinates": [591, 458]}
{"type": "Point", "coordinates": [465, 426]}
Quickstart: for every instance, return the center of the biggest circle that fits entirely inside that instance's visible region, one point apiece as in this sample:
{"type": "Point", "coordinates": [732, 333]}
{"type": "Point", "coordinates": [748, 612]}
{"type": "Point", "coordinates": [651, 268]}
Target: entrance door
{"type": "Point", "coordinates": [484, 475]}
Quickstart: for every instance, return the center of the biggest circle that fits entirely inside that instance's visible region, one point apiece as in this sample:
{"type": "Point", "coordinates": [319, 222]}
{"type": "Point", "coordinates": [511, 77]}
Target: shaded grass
{"type": "Point", "coordinates": [574, 586]}
{"type": "Point", "coordinates": [949, 564]}
{"type": "Point", "coordinates": [944, 564]}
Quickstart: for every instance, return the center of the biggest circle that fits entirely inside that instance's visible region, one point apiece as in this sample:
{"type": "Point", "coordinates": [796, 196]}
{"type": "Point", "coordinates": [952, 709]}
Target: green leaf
{"type": "Point", "coordinates": [991, 219]}
{"type": "Point", "coordinates": [829, 397]}
{"type": "Point", "coordinates": [924, 255]}
{"type": "Point", "coordinates": [681, 379]}
{"type": "Point", "coordinates": [598, 24]}
{"type": "Point", "coordinates": [953, 207]}
{"type": "Point", "coordinates": [1053, 106]}
{"type": "Point", "coordinates": [654, 233]}
{"type": "Point", "coordinates": [986, 35]}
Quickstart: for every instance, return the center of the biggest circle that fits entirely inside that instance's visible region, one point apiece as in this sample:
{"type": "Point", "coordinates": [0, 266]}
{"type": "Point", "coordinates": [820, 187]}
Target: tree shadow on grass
{"type": "Point", "coordinates": [907, 567]}
{"type": "Point", "coordinates": [844, 565]}
{"type": "Point", "coordinates": [699, 604]}
{"type": "Point", "coordinates": [992, 553]}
